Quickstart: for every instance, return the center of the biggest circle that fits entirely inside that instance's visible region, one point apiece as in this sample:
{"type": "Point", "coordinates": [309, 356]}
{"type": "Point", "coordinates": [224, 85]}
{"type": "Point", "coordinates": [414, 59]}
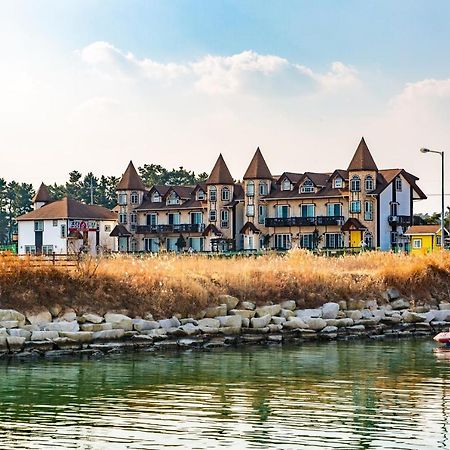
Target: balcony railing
{"type": "Point", "coordinates": [179, 228]}
{"type": "Point", "coordinates": [303, 221]}
{"type": "Point", "coordinates": [400, 220]}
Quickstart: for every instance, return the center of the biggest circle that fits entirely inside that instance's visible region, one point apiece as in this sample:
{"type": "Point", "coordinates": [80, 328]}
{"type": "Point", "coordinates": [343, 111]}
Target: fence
{"type": "Point", "coordinates": [56, 260]}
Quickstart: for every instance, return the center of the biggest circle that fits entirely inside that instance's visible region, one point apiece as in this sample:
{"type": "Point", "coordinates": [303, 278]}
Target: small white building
{"type": "Point", "coordinates": [65, 226]}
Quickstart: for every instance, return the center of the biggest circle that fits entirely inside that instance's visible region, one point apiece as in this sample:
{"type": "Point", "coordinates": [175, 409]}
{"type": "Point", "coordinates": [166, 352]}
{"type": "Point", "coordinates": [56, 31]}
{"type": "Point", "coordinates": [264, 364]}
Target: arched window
{"type": "Point", "coordinates": [398, 184]}
{"type": "Point", "coordinates": [225, 194]}
{"type": "Point", "coordinates": [286, 185]}
{"type": "Point", "coordinates": [355, 184]}
{"type": "Point", "coordinates": [368, 240]}
{"type": "Point", "coordinates": [262, 188]}
{"type": "Point", "coordinates": [250, 188]}
{"type": "Point", "coordinates": [213, 193]}
{"type": "Point", "coordinates": [134, 198]}
{"type": "Point", "coordinates": [369, 183]}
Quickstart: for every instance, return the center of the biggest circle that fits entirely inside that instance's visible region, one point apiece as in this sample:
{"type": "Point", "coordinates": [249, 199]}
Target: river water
{"type": "Point", "coordinates": [359, 395]}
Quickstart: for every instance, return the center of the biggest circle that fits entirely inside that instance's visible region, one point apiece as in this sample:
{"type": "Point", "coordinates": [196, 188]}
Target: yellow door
{"type": "Point", "coordinates": [355, 238]}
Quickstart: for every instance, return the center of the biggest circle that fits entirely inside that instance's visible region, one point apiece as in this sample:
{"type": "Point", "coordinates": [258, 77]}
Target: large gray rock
{"type": "Point", "coordinates": [329, 329]}
{"type": "Point", "coordinates": [96, 326]}
{"type": "Point", "coordinates": [244, 313]}
{"type": "Point", "coordinates": [108, 335]}
{"type": "Point", "coordinates": [272, 310]}
{"type": "Point", "coordinates": [279, 320]}
{"type": "Point", "coordinates": [214, 311]}
{"type": "Point", "coordinates": [3, 332]}
{"type": "Point", "coordinates": [39, 317]}
{"type": "Point", "coordinates": [9, 324]}
{"type": "Point", "coordinates": [62, 326]}
{"type": "Point", "coordinates": [19, 332]}
{"type": "Point", "coordinates": [245, 322]}
{"type": "Point", "coordinates": [11, 314]}
{"type": "Point", "coordinates": [261, 322]}
{"type": "Point", "coordinates": [308, 313]}
{"type": "Point", "coordinates": [64, 343]}
{"type": "Point", "coordinates": [355, 304]}
{"type": "Point", "coordinates": [294, 323]}
{"type": "Point", "coordinates": [289, 305]}
{"type": "Point", "coordinates": [69, 315]}
{"type": "Point", "coordinates": [412, 317]}
{"type": "Point", "coordinates": [190, 329]}
{"type": "Point", "coordinates": [92, 318]}
{"type": "Point", "coordinates": [392, 293]}
{"type": "Point", "coordinates": [79, 336]}
{"type": "Point", "coordinates": [169, 323]}
{"type": "Point", "coordinates": [141, 324]}
{"type": "Point", "coordinates": [315, 323]}
{"type": "Point", "coordinates": [399, 304]}
{"type": "Point", "coordinates": [367, 314]}
{"type": "Point", "coordinates": [15, 343]}
{"type": "Point", "coordinates": [210, 323]}
{"type": "Point", "coordinates": [248, 305]}
{"type": "Point", "coordinates": [354, 314]}
{"type": "Point", "coordinates": [230, 321]}
{"type": "Point", "coordinates": [330, 310]}
{"type": "Point", "coordinates": [119, 321]}
{"type": "Point", "coordinates": [444, 306]}
{"type": "Point", "coordinates": [345, 322]}
{"type": "Point", "coordinates": [44, 335]}
{"type": "Point", "coordinates": [286, 313]}
{"type": "Point", "coordinates": [228, 300]}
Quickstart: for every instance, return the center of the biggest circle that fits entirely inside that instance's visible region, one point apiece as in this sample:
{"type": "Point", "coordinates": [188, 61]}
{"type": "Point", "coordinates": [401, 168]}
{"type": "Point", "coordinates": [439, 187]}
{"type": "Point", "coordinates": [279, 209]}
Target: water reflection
{"type": "Point", "coordinates": [357, 395]}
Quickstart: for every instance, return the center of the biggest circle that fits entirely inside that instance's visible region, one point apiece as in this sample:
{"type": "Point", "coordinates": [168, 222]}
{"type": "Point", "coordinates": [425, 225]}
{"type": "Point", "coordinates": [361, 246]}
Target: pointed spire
{"type": "Point", "coordinates": [42, 194]}
{"type": "Point", "coordinates": [258, 168]}
{"type": "Point", "coordinates": [220, 173]}
{"type": "Point", "coordinates": [130, 180]}
{"type": "Point", "coordinates": [362, 159]}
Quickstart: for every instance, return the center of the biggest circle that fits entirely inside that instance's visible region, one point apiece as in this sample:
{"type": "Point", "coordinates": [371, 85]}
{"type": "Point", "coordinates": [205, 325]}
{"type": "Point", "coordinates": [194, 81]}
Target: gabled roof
{"type": "Point", "coordinates": [220, 173]}
{"type": "Point", "coordinates": [424, 229]}
{"type": "Point", "coordinates": [130, 180]}
{"type": "Point", "coordinates": [353, 224]}
{"type": "Point", "coordinates": [69, 208]}
{"type": "Point", "coordinates": [293, 177]}
{"type": "Point", "coordinates": [160, 188]}
{"type": "Point", "coordinates": [362, 159]}
{"type": "Point", "coordinates": [258, 168]}
{"type": "Point", "coordinates": [183, 192]}
{"type": "Point", "coordinates": [249, 226]}
{"type": "Point", "coordinates": [212, 229]}
{"type": "Point", "coordinates": [42, 194]}
{"type": "Point", "coordinates": [318, 179]}
{"type": "Point", "coordinates": [119, 230]}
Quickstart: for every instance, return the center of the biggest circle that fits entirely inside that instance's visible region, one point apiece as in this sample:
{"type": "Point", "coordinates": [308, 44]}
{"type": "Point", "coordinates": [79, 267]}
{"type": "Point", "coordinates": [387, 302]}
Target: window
{"type": "Point", "coordinates": [262, 213]}
{"type": "Point", "coordinates": [47, 249]}
{"type": "Point", "coordinates": [307, 186]}
{"type": "Point", "coordinates": [201, 195]}
{"type": "Point", "coordinates": [250, 210]}
{"type": "Point", "coordinates": [152, 219]}
{"type": "Point", "coordinates": [438, 241]}
{"type": "Point", "coordinates": [262, 188]}
{"type": "Point", "coordinates": [196, 218]}
{"type": "Point", "coordinates": [173, 199]}
{"type": "Point", "coordinates": [307, 241]}
{"type": "Point", "coordinates": [368, 210]}
{"type": "Point", "coordinates": [355, 206]}
{"type": "Point", "coordinates": [123, 218]}
{"type": "Point", "coordinates": [212, 215]}
{"type": "Point", "coordinates": [39, 225]}
{"type": "Point", "coordinates": [156, 197]}
{"type": "Point", "coordinates": [307, 210]}
{"type": "Point", "coordinates": [134, 198]}
{"type": "Point", "coordinates": [250, 188]}
{"type": "Point", "coordinates": [122, 199]}
{"type": "Point", "coordinates": [286, 185]}
{"type": "Point", "coordinates": [333, 240]}
{"type": "Point", "coordinates": [334, 210]}
{"type": "Point", "coordinates": [151, 245]}
{"type": "Point", "coordinates": [283, 241]}
{"type": "Point", "coordinates": [368, 240]}
{"type": "Point", "coordinates": [107, 228]}
{"type": "Point", "coordinates": [213, 193]}
{"type": "Point", "coordinates": [398, 184]}
{"type": "Point", "coordinates": [133, 218]}
{"type": "Point", "coordinates": [394, 209]}
{"type": "Point", "coordinates": [225, 194]}
{"type": "Point", "coordinates": [30, 249]}
{"type": "Point", "coordinates": [283, 211]}
{"type": "Point", "coordinates": [338, 182]}
{"type": "Point", "coordinates": [55, 223]}
{"type": "Point", "coordinates": [63, 231]}
{"type": "Point", "coordinates": [394, 236]}
{"type": "Point", "coordinates": [224, 218]}
{"type": "Point", "coordinates": [355, 184]}
{"type": "Point", "coordinates": [369, 183]}
{"type": "Point", "coordinates": [174, 218]}
{"type": "Point", "coordinates": [417, 243]}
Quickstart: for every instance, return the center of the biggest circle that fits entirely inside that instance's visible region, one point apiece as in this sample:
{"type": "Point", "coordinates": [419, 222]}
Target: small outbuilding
{"type": "Point", "coordinates": [425, 238]}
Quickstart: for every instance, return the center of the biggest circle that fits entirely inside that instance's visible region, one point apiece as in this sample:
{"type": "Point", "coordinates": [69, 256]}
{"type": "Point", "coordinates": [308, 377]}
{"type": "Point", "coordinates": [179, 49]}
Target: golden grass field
{"type": "Point", "coordinates": [168, 283]}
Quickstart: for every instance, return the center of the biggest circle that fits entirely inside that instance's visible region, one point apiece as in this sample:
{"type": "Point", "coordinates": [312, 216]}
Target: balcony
{"type": "Point", "coordinates": [329, 220]}
{"type": "Point", "coordinates": [179, 228]}
{"type": "Point", "coordinates": [400, 220]}
{"type": "Point", "coordinates": [304, 221]}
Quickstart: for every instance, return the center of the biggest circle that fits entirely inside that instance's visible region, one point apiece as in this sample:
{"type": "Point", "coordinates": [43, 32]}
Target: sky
{"type": "Point", "coordinates": [90, 85]}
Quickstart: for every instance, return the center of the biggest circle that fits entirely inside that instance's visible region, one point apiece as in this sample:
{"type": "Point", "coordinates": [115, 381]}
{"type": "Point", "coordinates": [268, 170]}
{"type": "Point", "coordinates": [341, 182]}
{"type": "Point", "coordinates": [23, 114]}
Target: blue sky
{"type": "Point", "coordinates": [175, 82]}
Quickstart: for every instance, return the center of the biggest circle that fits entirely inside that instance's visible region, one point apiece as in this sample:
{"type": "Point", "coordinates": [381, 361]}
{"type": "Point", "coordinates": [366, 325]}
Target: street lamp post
{"type": "Point", "coordinates": [426, 150]}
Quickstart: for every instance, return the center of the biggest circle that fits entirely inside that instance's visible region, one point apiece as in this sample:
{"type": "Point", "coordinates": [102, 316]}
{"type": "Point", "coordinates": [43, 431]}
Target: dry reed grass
{"type": "Point", "coordinates": [166, 284]}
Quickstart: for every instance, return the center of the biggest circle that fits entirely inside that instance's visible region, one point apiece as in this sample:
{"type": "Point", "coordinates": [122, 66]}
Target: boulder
{"type": "Point", "coordinates": [422, 309]}
{"type": "Point", "coordinates": [15, 343]}
{"type": "Point", "coordinates": [214, 311]}
{"type": "Point", "coordinates": [342, 305]}
{"type": "Point", "coordinates": [308, 313]}
{"type": "Point", "coordinates": [188, 320]}
{"type": "Point", "coordinates": [190, 329]}
{"type": "Point", "coordinates": [244, 313]}
{"type": "Point", "coordinates": [141, 324]}
{"type": "Point", "coordinates": [208, 330]}
{"type": "Point", "coordinates": [330, 310]}
{"type": "Point", "coordinates": [329, 329]}
{"type": "Point", "coordinates": [230, 330]}
{"type": "Point", "coordinates": [341, 323]}
{"type": "Point", "coordinates": [11, 314]}
{"type": "Point", "coordinates": [274, 328]}
{"type": "Point", "coordinates": [413, 317]}
{"type": "Point", "coordinates": [315, 323]}
{"type": "Point", "coordinates": [355, 304]}
{"type": "Point", "coordinates": [69, 315]}
{"type": "Point", "coordinates": [228, 300]}
{"type": "Point", "coordinates": [392, 293]}
{"type": "Point", "coordinates": [19, 332]}
{"type": "Point", "coordinates": [444, 306]}
{"type": "Point", "coordinates": [3, 332]}
{"type": "Point", "coordinates": [354, 314]}
{"type": "Point", "coordinates": [3, 344]}
{"type": "Point", "coordinates": [289, 305]}
{"type": "Point", "coordinates": [79, 336]}
{"type": "Point", "coordinates": [248, 305]}
{"type": "Point", "coordinates": [119, 321]}
{"type": "Point", "coordinates": [9, 324]}
{"type": "Point", "coordinates": [230, 321]}
{"type": "Point", "coordinates": [286, 313]}
{"type": "Point", "coordinates": [96, 326]}
{"type": "Point", "coordinates": [294, 323]}
{"type": "Point", "coordinates": [169, 323]}
{"type": "Point", "coordinates": [44, 335]}
{"type": "Point", "coordinates": [245, 322]}
{"type": "Point", "coordinates": [272, 310]}
{"type": "Point", "coordinates": [92, 318]}
{"type": "Point", "coordinates": [278, 320]}
{"type": "Point", "coordinates": [62, 326]}
{"type": "Point", "coordinates": [260, 322]}
{"type": "Point", "coordinates": [371, 304]}
{"type": "Point", "coordinates": [400, 303]}
{"type": "Point", "coordinates": [108, 335]}
{"type": "Point", "coordinates": [65, 343]}
{"type": "Point", "coordinates": [39, 317]}
{"type": "Point", "coordinates": [367, 314]}
{"type": "Point", "coordinates": [211, 323]}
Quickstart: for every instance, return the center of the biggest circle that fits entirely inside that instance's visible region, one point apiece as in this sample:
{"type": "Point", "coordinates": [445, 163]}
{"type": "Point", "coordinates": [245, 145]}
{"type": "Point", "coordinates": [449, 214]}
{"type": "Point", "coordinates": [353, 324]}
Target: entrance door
{"type": "Point", "coordinates": [355, 238]}
{"type": "Point", "coordinates": [123, 244]}
{"type": "Point", "coordinates": [38, 241]}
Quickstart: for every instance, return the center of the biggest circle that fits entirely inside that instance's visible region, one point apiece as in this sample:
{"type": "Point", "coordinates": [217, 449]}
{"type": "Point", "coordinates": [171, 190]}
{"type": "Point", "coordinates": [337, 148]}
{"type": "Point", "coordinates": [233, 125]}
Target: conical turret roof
{"type": "Point", "coordinates": [130, 180]}
{"type": "Point", "coordinates": [258, 168]}
{"type": "Point", "coordinates": [42, 194]}
{"type": "Point", "coordinates": [220, 173]}
{"type": "Point", "coordinates": [362, 159]}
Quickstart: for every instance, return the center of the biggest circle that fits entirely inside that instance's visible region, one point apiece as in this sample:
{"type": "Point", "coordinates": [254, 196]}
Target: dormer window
{"type": "Point", "coordinates": [338, 182]}
{"type": "Point", "coordinates": [156, 197]}
{"type": "Point", "coordinates": [262, 188]}
{"type": "Point", "coordinates": [225, 194]}
{"type": "Point", "coordinates": [173, 199]}
{"type": "Point", "coordinates": [369, 184]}
{"type": "Point", "coordinates": [213, 193]}
{"type": "Point", "coordinates": [201, 195]}
{"type": "Point", "coordinates": [134, 198]}
{"type": "Point", "coordinates": [286, 185]}
{"type": "Point", "coordinates": [250, 188]}
{"type": "Point", "coordinates": [307, 186]}
{"type": "Point", "coordinates": [355, 184]}
{"type": "Point", "coordinates": [398, 184]}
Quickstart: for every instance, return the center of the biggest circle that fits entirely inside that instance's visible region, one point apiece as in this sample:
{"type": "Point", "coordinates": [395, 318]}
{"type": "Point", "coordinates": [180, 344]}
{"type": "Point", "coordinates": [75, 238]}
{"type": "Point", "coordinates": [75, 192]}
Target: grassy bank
{"type": "Point", "coordinates": [168, 283]}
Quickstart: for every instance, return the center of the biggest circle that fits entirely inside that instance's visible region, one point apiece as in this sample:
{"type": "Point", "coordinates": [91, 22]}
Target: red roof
{"type": "Point", "coordinates": [362, 159]}
{"type": "Point", "coordinates": [220, 173]}
{"type": "Point", "coordinates": [258, 168]}
{"type": "Point", "coordinates": [130, 180]}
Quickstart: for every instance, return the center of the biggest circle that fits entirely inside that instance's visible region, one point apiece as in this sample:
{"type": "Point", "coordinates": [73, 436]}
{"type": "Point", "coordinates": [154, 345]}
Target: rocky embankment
{"type": "Point", "coordinates": [59, 332]}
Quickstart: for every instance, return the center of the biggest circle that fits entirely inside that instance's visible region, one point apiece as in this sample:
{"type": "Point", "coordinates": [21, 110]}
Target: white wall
{"type": "Point", "coordinates": [385, 211]}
